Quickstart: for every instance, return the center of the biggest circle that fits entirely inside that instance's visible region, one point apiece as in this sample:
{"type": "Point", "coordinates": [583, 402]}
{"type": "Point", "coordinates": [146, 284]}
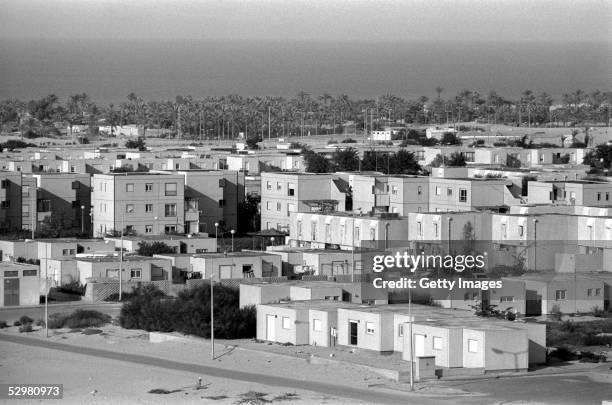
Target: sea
{"type": "Point", "coordinates": [108, 70]}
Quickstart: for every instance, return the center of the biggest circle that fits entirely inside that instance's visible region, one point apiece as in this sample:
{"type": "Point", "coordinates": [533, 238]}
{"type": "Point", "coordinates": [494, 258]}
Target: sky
{"type": "Point", "coordinates": [310, 20]}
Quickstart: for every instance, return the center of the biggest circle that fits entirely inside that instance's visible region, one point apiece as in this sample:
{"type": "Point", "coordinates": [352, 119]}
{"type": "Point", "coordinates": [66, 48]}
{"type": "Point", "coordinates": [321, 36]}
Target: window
{"type": "Point", "coordinates": [560, 294]}
{"type": "Point", "coordinates": [44, 205]}
{"type": "Point", "coordinates": [589, 292]}
{"type": "Point", "coordinates": [370, 328]}
{"type": "Point", "coordinates": [268, 185]}
{"type": "Point", "coordinates": [420, 190]}
{"type": "Point", "coordinates": [394, 190]}
{"type": "Point", "coordinates": [148, 207]}
{"type": "Point", "coordinates": [357, 233]}
{"type": "Point", "coordinates": [112, 273]}
{"type": "Point", "coordinates": [290, 209]}
{"type": "Point", "coordinates": [449, 192]}
{"type": "Point", "coordinates": [436, 229]}
{"type": "Point", "coordinates": [221, 183]}
{"type": "Point", "coordinates": [472, 346]}
{"type": "Point", "coordinates": [170, 189]}
{"type": "Point", "coordinates": [507, 298]}
{"type": "Point", "coordinates": [129, 187]}
{"type": "Point", "coordinates": [521, 230]}
{"type": "Point", "coordinates": [221, 203]}
{"type": "Point", "coordinates": [420, 228]}
{"type": "Point", "coordinates": [372, 233]}
{"type": "Point", "coordinates": [278, 206]}
{"type": "Point", "coordinates": [148, 228]}
{"type": "Point", "coordinates": [597, 292]}
{"type": "Point", "coordinates": [136, 273]}
{"type": "Point", "coordinates": [400, 330]}
{"type": "Point", "coordinates": [462, 195]}
{"type": "Point", "coordinates": [29, 273]}
{"type": "Point", "coordinates": [438, 191]}
{"type": "Point", "coordinates": [607, 196]}
{"type": "Point", "coordinates": [72, 252]}
{"type": "Point", "coordinates": [149, 187]}
{"type": "Point", "coordinates": [25, 191]}
{"type": "Point", "coordinates": [470, 296]}
{"type": "Point", "coordinates": [286, 322]}
{"type": "Point", "coordinates": [5, 184]}
{"type": "Point", "coordinates": [5, 204]}
{"type": "Point", "coordinates": [299, 229]}
{"type": "Point", "coordinates": [291, 189]}
{"type": "Point", "coordinates": [598, 196]}
{"type": "Point", "coordinates": [313, 231]}
{"type": "Point", "coordinates": [437, 343]}
{"type": "Point", "coordinates": [11, 273]}
{"type": "Point", "coordinates": [65, 252]}
{"type": "Point", "coordinates": [170, 210]}
{"type": "Point", "coordinates": [316, 325]}
{"type": "Point", "coordinates": [72, 169]}
{"type": "Point", "coordinates": [129, 228]}
{"type": "Point", "coordinates": [170, 228]}
{"type": "Point", "coordinates": [25, 210]}
{"type": "Point", "coordinates": [279, 185]}
{"type": "Point", "coordinates": [129, 208]}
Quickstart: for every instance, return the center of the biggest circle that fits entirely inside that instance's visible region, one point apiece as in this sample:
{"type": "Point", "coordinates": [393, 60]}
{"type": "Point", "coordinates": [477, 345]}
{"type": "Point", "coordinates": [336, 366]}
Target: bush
{"type": "Point", "coordinates": [25, 328]}
{"type": "Point", "coordinates": [16, 323]}
{"type": "Point", "coordinates": [589, 357]}
{"type": "Point", "coordinates": [40, 322]}
{"type": "Point", "coordinates": [25, 320]}
{"type": "Point", "coordinates": [81, 318]}
{"type": "Point", "coordinates": [190, 313]}
{"type": "Point", "coordinates": [599, 313]}
{"type": "Point", "coordinates": [73, 287]}
{"type": "Point", "coordinates": [3, 324]}
{"type": "Point", "coordinates": [348, 140]}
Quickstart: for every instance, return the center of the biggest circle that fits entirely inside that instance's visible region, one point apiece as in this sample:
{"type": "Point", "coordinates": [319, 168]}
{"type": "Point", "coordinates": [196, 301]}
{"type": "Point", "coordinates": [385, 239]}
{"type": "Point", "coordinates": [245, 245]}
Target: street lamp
{"type": "Point", "coordinates": [232, 232]}
{"type": "Point", "coordinates": [272, 240]}
{"type": "Point", "coordinates": [216, 236]}
{"type": "Point", "coordinates": [535, 244]}
{"type": "Point", "coordinates": [82, 219]}
{"type": "Point", "coordinates": [212, 303]}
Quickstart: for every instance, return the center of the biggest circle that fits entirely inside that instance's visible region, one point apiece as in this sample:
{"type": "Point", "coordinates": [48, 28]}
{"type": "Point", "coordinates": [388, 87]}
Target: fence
{"type": "Point", "coordinates": [102, 290]}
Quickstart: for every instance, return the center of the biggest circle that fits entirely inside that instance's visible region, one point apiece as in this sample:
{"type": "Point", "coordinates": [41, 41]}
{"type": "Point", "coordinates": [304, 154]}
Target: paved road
{"type": "Point", "coordinates": [372, 396]}
{"type": "Point", "coordinates": [10, 314]}
{"type": "Point", "coordinates": [552, 389]}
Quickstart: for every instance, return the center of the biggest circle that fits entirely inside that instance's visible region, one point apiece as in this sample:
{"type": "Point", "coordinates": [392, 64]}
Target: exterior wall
{"type": "Point", "coordinates": [328, 320]}
{"type": "Point", "coordinates": [277, 204]}
{"type": "Point", "coordinates": [218, 194]}
{"type": "Point", "coordinates": [506, 350]}
{"type": "Point", "coordinates": [10, 195]}
{"type": "Point", "coordinates": [382, 338]}
{"type": "Point", "coordinates": [338, 230]}
{"type": "Point", "coordinates": [510, 288]}
{"type": "Point", "coordinates": [577, 298]}
{"type": "Point", "coordinates": [255, 294]}
{"type": "Point", "coordinates": [111, 198]}
{"type": "Point", "coordinates": [314, 293]}
{"type": "Point", "coordinates": [449, 356]}
{"type": "Point", "coordinates": [99, 269]}
{"type": "Point", "coordinates": [29, 286]}
{"type": "Point", "coordinates": [408, 194]}
{"type": "Point", "coordinates": [465, 195]}
{"type": "Point", "coordinates": [63, 195]}
{"type": "Point", "coordinates": [296, 334]}
{"type": "Point", "coordinates": [62, 271]}
{"type": "Point", "coordinates": [234, 264]}
{"type": "Point", "coordinates": [29, 207]}
{"type": "Point", "coordinates": [476, 359]}
{"type": "Point", "coordinates": [12, 250]}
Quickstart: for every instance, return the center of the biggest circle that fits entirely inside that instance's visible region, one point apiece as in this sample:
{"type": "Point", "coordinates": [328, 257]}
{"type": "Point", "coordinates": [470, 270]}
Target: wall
{"type": "Point", "coordinates": [262, 294]}
{"type": "Point", "coordinates": [329, 319]}
{"type": "Point", "coordinates": [298, 332]}
{"type": "Point", "coordinates": [506, 350]}
{"type": "Point", "coordinates": [473, 360]}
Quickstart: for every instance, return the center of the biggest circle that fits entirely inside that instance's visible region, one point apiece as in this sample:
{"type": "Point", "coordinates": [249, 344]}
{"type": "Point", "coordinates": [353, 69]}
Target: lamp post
{"type": "Point", "coordinates": [535, 244]}
{"type": "Point", "coordinates": [411, 341]}
{"type": "Point", "coordinates": [272, 240]}
{"type": "Point", "coordinates": [232, 232]}
{"type": "Point", "coordinates": [212, 303]}
{"type": "Point", "coordinates": [216, 236]}
{"type": "Point", "coordinates": [82, 219]}
{"type": "Point", "coordinates": [121, 257]}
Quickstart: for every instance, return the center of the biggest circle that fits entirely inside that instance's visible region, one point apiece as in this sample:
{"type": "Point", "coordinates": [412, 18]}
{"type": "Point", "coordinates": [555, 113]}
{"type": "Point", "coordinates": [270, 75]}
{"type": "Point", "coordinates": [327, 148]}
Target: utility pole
{"type": "Point", "coordinates": [269, 123]}
{"type": "Point", "coordinates": [212, 302]}
{"type": "Point", "coordinates": [121, 257]}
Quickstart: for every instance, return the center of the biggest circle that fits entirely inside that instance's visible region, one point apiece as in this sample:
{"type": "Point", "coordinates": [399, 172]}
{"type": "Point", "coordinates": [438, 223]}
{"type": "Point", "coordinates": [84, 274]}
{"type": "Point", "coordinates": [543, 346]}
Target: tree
{"type": "Point", "coordinates": [248, 212]}
{"type": "Point", "coordinates": [450, 138]}
{"type": "Point", "coordinates": [346, 160]}
{"type": "Point", "coordinates": [403, 162]}
{"type": "Point", "coordinates": [456, 159]}
{"type": "Point", "coordinates": [252, 141]}
{"type": "Point", "coordinates": [316, 163]}
{"type": "Point", "coordinates": [599, 159]}
{"type": "Point", "coordinates": [154, 248]}
{"type": "Point", "coordinates": [138, 143]}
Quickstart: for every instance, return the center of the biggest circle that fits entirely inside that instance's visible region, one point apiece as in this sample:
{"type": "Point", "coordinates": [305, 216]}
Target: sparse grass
{"type": "Point", "coordinates": [569, 333]}
{"type": "Point", "coordinates": [161, 391]}
{"type": "Point", "coordinates": [287, 396]}
{"type": "Point", "coordinates": [91, 331]}
{"type": "Point", "coordinates": [217, 397]}
{"type": "Point", "coordinates": [252, 398]}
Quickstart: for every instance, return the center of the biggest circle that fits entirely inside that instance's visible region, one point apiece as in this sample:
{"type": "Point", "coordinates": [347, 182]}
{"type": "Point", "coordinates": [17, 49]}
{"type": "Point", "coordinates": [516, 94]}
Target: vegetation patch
{"type": "Point", "coordinates": [81, 318]}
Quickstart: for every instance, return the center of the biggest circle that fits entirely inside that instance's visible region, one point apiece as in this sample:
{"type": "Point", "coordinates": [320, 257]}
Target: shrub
{"type": "Point", "coordinates": [72, 287]}
{"type": "Point", "coordinates": [25, 320]}
{"type": "Point", "coordinates": [348, 140]}
{"type": "Point", "coordinates": [81, 318]}
{"type": "Point", "coordinates": [25, 328]}
{"type": "Point", "coordinates": [563, 354]}
{"type": "Point", "coordinates": [589, 357]}
{"type": "Point", "coordinates": [40, 322]}
{"type": "Point", "coordinates": [190, 313]}
{"type": "Point", "coordinates": [599, 313]}
{"type": "Point", "coordinates": [555, 312]}
{"type": "Point", "coordinates": [16, 323]}
{"type": "Point", "coordinates": [3, 324]}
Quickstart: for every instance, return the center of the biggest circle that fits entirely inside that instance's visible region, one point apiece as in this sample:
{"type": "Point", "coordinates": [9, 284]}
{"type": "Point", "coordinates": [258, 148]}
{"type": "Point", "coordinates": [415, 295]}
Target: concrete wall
{"type": "Point", "coordinates": [506, 350]}
{"type": "Point", "coordinates": [263, 294]}
{"type": "Point", "coordinates": [329, 319]}
{"type": "Point", "coordinates": [29, 286]}
{"type": "Point", "coordinates": [474, 359]}
{"type": "Point", "coordinates": [296, 334]}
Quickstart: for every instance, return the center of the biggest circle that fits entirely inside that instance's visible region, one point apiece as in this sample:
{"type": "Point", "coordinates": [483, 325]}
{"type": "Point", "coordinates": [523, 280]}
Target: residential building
{"type": "Point", "coordinates": [139, 203]}
{"type": "Point", "coordinates": [236, 265]}
{"type": "Point", "coordinates": [20, 284]}
{"type": "Point", "coordinates": [10, 201]}
{"type": "Point", "coordinates": [573, 192]}
{"type": "Point", "coordinates": [134, 269]}
{"type": "Point", "coordinates": [285, 193]}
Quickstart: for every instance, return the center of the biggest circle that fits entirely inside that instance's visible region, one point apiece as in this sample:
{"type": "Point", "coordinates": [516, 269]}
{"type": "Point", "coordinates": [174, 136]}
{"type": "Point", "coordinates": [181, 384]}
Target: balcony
{"type": "Point", "coordinates": [191, 210]}
{"type": "Point", "coordinates": [381, 200]}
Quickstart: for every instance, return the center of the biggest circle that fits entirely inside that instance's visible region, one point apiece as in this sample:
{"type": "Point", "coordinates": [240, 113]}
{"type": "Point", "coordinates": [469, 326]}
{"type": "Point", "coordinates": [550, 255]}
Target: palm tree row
{"type": "Point", "coordinates": [227, 116]}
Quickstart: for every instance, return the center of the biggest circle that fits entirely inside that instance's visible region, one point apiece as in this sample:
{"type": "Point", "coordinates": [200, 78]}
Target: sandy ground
{"type": "Point", "coordinates": [104, 381]}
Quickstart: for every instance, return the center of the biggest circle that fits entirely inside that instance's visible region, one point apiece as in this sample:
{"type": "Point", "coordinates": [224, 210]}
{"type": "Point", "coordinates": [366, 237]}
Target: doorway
{"type": "Point", "coordinates": [11, 291]}
{"type": "Point", "coordinates": [353, 332]}
{"type": "Point", "coordinates": [270, 328]}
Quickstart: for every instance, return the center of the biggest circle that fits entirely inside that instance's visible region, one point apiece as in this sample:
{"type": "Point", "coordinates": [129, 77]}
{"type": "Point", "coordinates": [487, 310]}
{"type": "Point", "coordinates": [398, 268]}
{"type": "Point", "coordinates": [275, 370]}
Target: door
{"type": "Point", "coordinates": [226, 271]}
{"type": "Point", "coordinates": [419, 345]}
{"type": "Point", "coordinates": [353, 332]}
{"type": "Point", "coordinates": [270, 328]}
{"type": "Point", "coordinates": [11, 291]}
